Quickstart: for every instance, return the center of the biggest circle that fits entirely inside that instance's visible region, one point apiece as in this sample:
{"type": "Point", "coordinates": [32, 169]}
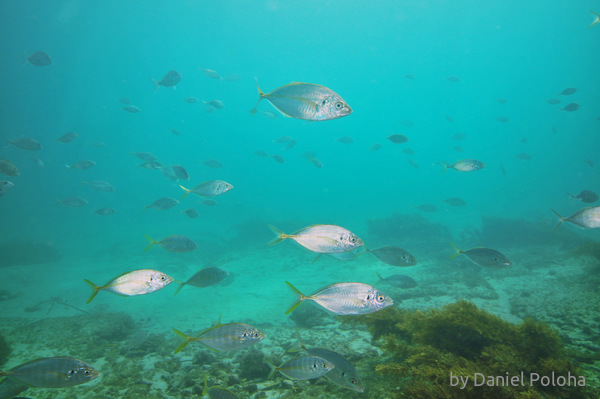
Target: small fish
{"type": "Point", "coordinates": [132, 109]}
{"type": "Point", "coordinates": [571, 107]}
{"type": "Point", "coordinates": [232, 77]}
{"type": "Point", "coordinates": [585, 196]}
{"type": "Point", "coordinates": [211, 74]}
{"type": "Point", "coordinates": [455, 201]}
{"type": "Point", "coordinates": [585, 161]}
{"type": "Point", "coordinates": [191, 213]}
{"type": "Point", "coordinates": [68, 137]}
{"type": "Point", "coordinates": [278, 158]}
{"type": "Point", "coordinates": [52, 372]}
{"type": "Point", "coordinates": [305, 101]}
{"type": "Point", "coordinates": [205, 278]}
{"type": "Point", "coordinates": [458, 148]}
{"type": "Point", "coordinates": [72, 202]}
{"type": "Point", "coordinates": [105, 211]}
{"type": "Point", "coordinates": [261, 153]}
{"type": "Point", "coordinates": [426, 207]}
{"type": "Point", "coordinates": [224, 337]}
{"type": "Point", "coordinates": [190, 100]}
{"type": "Point", "coordinates": [99, 185]}
{"type": "Point", "coordinates": [38, 162]}
{"type": "Point", "coordinates": [398, 281]}
{"type": "Point", "coordinates": [413, 163]}
{"type": "Point", "coordinates": [150, 165]}
{"type": "Point", "coordinates": [394, 256]}
{"type": "Point", "coordinates": [449, 118]}
{"type": "Point", "coordinates": [303, 368]}
{"type": "Point", "coordinates": [408, 151]}
{"type": "Point", "coordinates": [208, 202]}
{"type": "Point", "coordinates": [82, 165]}
{"type": "Point", "coordinates": [26, 143]}
{"type": "Point", "coordinates": [269, 115]}
{"type": "Point", "coordinates": [162, 204]}
{"type": "Point", "coordinates": [321, 238]}
{"type": "Point", "coordinates": [553, 101]}
{"type": "Point", "coordinates": [452, 79]}
{"type": "Point", "coordinates": [484, 257]}
{"type": "Point", "coordinates": [218, 104]}
{"type": "Point", "coordinates": [523, 156]}
{"type": "Point", "coordinates": [317, 162]}
{"type": "Point", "coordinates": [137, 282]}
{"type": "Point", "coordinates": [144, 156]}
{"type": "Point", "coordinates": [169, 80]}
{"type": "Point", "coordinates": [290, 144]}
{"type": "Point", "coordinates": [568, 91]}
{"type": "Point", "coordinates": [345, 299]}
{"type": "Point", "coordinates": [464, 165]}
{"type": "Point", "coordinates": [210, 188]}
{"type": "Point", "coordinates": [375, 147]}
{"type": "Point", "coordinates": [216, 392]}
{"type": "Point", "coordinates": [124, 101]}
{"type": "Point", "coordinates": [397, 138]}
{"type": "Point", "coordinates": [458, 136]}
{"type": "Point", "coordinates": [587, 218]}
{"type": "Point", "coordinates": [503, 170]}
{"type": "Point", "coordinates": [39, 58]}
{"type": "Point", "coordinates": [502, 119]}
{"type": "Point", "coordinates": [175, 132]}
{"type": "Point", "coordinates": [213, 163]}
{"type": "Point", "coordinates": [501, 100]}
{"type": "Point", "coordinates": [168, 172]}
{"type": "Point", "coordinates": [282, 139]}
{"type": "Point", "coordinates": [596, 18]}
{"type": "Point", "coordinates": [5, 185]}
{"type": "Point", "coordinates": [174, 243]}
{"type": "Point", "coordinates": [180, 172]}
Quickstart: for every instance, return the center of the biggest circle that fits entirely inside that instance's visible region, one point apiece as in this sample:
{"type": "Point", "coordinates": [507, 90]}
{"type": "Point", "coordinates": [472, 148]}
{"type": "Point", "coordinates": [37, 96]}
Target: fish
{"type": "Point", "coordinates": [321, 238]}
{"type": "Point", "coordinates": [269, 115]}
{"type": "Point", "coordinates": [305, 101]}
{"type": "Point", "coordinates": [137, 282]}
{"type": "Point", "coordinates": [8, 168]}
{"type": "Point", "coordinates": [205, 278]}
{"type": "Point", "coordinates": [501, 100]}
{"type": "Point", "coordinates": [502, 119]}
{"type": "Point", "coordinates": [317, 162]}
{"type": "Point", "coordinates": [426, 207]}
{"type": "Point", "coordinates": [375, 147]}
{"type": "Point", "coordinates": [175, 132]}
{"type": "Point", "coordinates": [523, 156]}
{"type": "Point", "coordinates": [174, 243]}
{"type": "Point", "coordinates": [452, 79]}
{"type": "Point", "coordinates": [568, 91]}
{"type": "Point", "coordinates": [132, 109]}
{"type": "Point", "coordinates": [190, 100]}
{"type": "Point", "coordinates": [180, 172]}
{"type": "Point", "coordinates": [216, 392]}
{"type": "Point", "coordinates": [124, 100]}
{"type": "Point", "coordinates": [162, 204]}
{"type": "Point", "coordinates": [191, 213]}
{"type": "Point", "coordinates": [224, 337]}
{"type": "Point", "coordinates": [587, 218]}
{"type": "Point", "coordinates": [571, 107]}
{"type": "Point", "coordinates": [464, 165]}
{"type": "Point", "coordinates": [398, 281]}
{"type": "Point", "coordinates": [218, 104]}
{"type": "Point", "coordinates": [585, 161]}
{"type": "Point", "coordinates": [169, 80]}
{"type": "Point", "coordinates": [68, 137]}
{"type": "Point", "coordinates": [72, 202]}
{"type": "Point", "coordinates": [484, 256]}
{"type": "Point", "coordinates": [167, 171]}
{"type": "Point", "coordinates": [397, 138]}
{"type": "Point", "coordinates": [345, 299]}
{"type": "Point", "coordinates": [52, 372]}
{"type": "Point", "coordinates": [586, 196]}
{"type": "Point", "coordinates": [290, 144]}
{"type": "Point", "coordinates": [211, 74]}
{"type": "Point", "coordinates": [458, 136]}
{"type": "Point", "coordinates": [408, 151]}
{"type": "Point", "coordinates": [449, 118]}
{"type": "Point", "coordinates": [394, 256]}
{"type": "Point", "coordinates": [99, 185]}
{"type": "Point", "coordinates": [409, 76]}
{"type": "Point", "coordinates": [211, 188]}
{"type": "Point", "coordinates": [345, 140]}
{"type": "Point", "coordinates": [39, 58]}
{"type": "Point", "coordinates": [150, 165]}
{"type": "Point", "coordinates": [344, 374]}
{"type": "Point", "coordinates": [81, 165]}
{"type": "Point", "coordinates": [232, 77]}
{"type": "Point", "coordinates": [26, 143]}
{"type": "Point", "coordinates": [144, 156]}
{"type": "Point", "coordinates": [553, 101]}
{"type": "Point", "coordinates": [5, 186]}
{"type": "Point", "coordinates": [208, 202]}
{"type": "Point", "coordinates": [413, 163]}
{"type": "Point", "coordinates": [455, 201]}
{"type": "Point", "coordinates": [105, 211]}
{"type": "Point", "coordinates": [596, 18]}
{"type": "Point", "coordinates": [10, 388]}
{"type": "Point", "coordinates": [458, 148]}
{"type": "Point", "coordinates": [282, 139]}
{"type": "Point", "coordinates": [303, 368]}
{"type": "Point", "coordinates": [213, 163]}
{"type": "Point", "coordinates": [278, 158]}
{"type": "Point", "coordinates": [260, 153]}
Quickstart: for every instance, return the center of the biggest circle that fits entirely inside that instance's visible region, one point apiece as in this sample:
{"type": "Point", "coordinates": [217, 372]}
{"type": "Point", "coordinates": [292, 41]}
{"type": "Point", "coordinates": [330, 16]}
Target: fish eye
{"type": "Point", "coordinates": [324, 365]}
{"type": "Point", "coordinates": [256, 335]}
{"type": "Point", "coordinates": [339, 105]}
{"type": "Point", "coordinates": [87, 372]}
{"type": "Point", "coordinates": [343, 373]}
{"type": "Point", "coordinates": [353, 239]}
{"type": "Point", "coordinates": [352, 381]}
{"type": "Point", "coordinates": [380, 298]}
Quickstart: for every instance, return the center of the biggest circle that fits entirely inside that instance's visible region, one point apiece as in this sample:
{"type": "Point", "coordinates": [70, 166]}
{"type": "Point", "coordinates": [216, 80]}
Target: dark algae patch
{"type": "Point", "coordinates": [424, 348]}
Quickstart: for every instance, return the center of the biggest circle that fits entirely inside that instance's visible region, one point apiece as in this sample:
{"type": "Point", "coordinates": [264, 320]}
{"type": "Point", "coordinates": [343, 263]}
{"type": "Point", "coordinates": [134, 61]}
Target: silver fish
{"type": "Point", "coordinates": [484, 257]}
{"type": "Point", "coordinates": [306, 101]}
{"type": "Point", "coordinates": [26, 143]}
{"type": "Point", "coordinates": [8, 168]}
{"type": "Point", "coordinates": [218, 104]}
{"type": "Point", "coordinates": [72, 202]}
{"type": "Point", "coordinates": [211, 74]}
{"type": "Point", "coordinates": [99, 185]}
{"type": "Point", "coordinates": [144, 156]}
{"type": "Point", "coordinates": [168, 172]}
{"type": "Point", "coordinates": [106, 211]}
{"type": "Point", "coordinates": [174, 243]}
{"type": "Point", "coordinates": [169, 80]}
{"type": "Point", "coordinates": [180, 172]}
{"type": "Point", "coordinates": [81, 165]}
{"type": "Point", "coordinates": [587, 218]}
{"type": "Point", "coordinates": [213, 163]}
{"type": "Point", "coordinates": [52, 372]}
{"type": "Point", "coordinates": [39, 58]}
{"type": "Point", "coordinates": [132, 109]}
{"type": "Point", "coordinates": [345, 298]}
{"type": "Point", "coordinates": [210, 188]}
{"type": "Point", "coordinates": [321, 238]}
{"type": "Point", "coordinates": [10, 388]}
{"type": "Point", "coordinates": [68, 137]}
{"type": "Point", "coordinates": [224, 337]}
{"type": "Point", "coordinates": [571, 107]}
{"type": "Point", "coordinates": [398, 281]}
{"type": "Point", "coordinates": [568, 91]}
{"type": "Point", "coordinates": [394, 256]}
{"type": "Point", "coordinates": [205, 278]}
{"type": "Point", "coordinates": [190, 100]}
{"type": "Point", "coordinates": [464, 165]}
{"type": "Point", "coordinates": [150, 165]}
{"type": "Point", "coordinates": [397, 138]}
{"type": "Point", "coordinates": [137, 282]}
{"type": "Point", "coordinates": [455, 201]}
{"type": "Point", "coordinates": [162, 204]}
{"type": "Point", "coordinates": [5, 185]}
{"type": "Point", "coordinates": [191, 213]}
{"type": "Point", "coordinates": [596, 18]}
{"type": "Point", "coordinates": [586, 196]}
{"type": "Point", "coordinates": [303, 368]}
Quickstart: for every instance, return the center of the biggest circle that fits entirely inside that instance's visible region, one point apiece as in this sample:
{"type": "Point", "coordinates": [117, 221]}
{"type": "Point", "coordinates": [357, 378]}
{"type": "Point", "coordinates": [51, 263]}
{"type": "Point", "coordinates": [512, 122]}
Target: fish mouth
{"type": "Point", "coordinates": [347, 110]}
{"type": "Point", "coordinates": [95, 374]}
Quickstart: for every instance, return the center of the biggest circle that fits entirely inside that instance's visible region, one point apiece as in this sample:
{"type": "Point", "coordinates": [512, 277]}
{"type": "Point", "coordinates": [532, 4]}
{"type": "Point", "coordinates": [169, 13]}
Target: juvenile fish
{"type": "Point", "coordinates": [398, 281]}
{"type": "Point", "coordinates": [211, 74]}
{"type": "Point", "coordinates": [426, 207]}
{"type": "Point", "coordinates": [345, 299]}
{"type": "Point", "coordinates": [52, 372]}
{"type": "Point", "coordinates": [568, 91]}
{"type": "Point", "coordinates": [210, 188]}
{"type": "Point", "coordinates": [571, 107]}
{"type": "Point", "coordinates": [455, 201]}
{"type": "Point", "coordinates": [397, 138]}
{"type": "Point", "coordinates": [5, 185]}
{"type": "Point", "coordinates": [305, 101]}
{"type": "Point", "coordinates": [180, 172]}
{"type": "Point", "coordinates": [99, 185]}
{"type": "Point", "coordinates": [82, 165]}
{"type": "Point", "coordinates": [191, 213]}
{"type": "Point", "coordinates": [596, 18]}
{"type": "Point", "coordinates": [587, 218]}
{"type": "Point", "coordinates": [321, 238]}
{"type": "Point", "coordinates": [8, 168]}
{"type": "Point", "coordinates": [502, 119]}
{"type": "Point", "coordinates": [39, 58]}
{"type": "Point", "coordinates": [190, 100]}
{"type": "Point", "coordinates": [150, 165]}
{"type": "Point", "coordinates": [106, 211]}
{"type": "Point", "coordinates": [484, 257]}
{"type": "Point", "coordinates": [375, 147]}
{"type": "Point", "coordinates": [278, 158]}
{"type": "Point", "coordinates": [169, 80]}
{"type": "Point", "coordinates": [585, 196]}
{"type": "Point", "coordinates": [345, 140]}
{"type": "Point", "coordinates": [205, 278]}
{"type": "Point", "coordinates": [224, 337]}
{"type": "Point", "coordinates": [72, 202]}
{"type": "Point", "coordinates": [303, 368]}
{"type": "Point", "coordinates": [26, 143]}
{"type": "Point", "coordinates": [464, 165]}
{"type": "Point", "coordinates": [132, 109]}
{"type": "Point", "coordinates": [137, 282]}
{"type": "Point", "coordinates": [208, 202]}
{"type": "Point", "coordinates": [144, 156]}
{"type": "Point", "coordinates": [162, 204]}
{"type": "Point", "coordinates": [174, 243]}
{"type": "Point", "coordinates": [68, 137]}
{"type": "Point", "coordinates": [168, 172]}
{"type": "Point", "coordinates": [394, 256]}
{"type": "Point", "coordinates": [213, 163]}
{"type": "Point", "coordinates": [218, 104]}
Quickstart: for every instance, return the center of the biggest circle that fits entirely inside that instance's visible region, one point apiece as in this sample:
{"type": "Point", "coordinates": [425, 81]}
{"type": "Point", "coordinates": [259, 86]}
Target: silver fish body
{"type": "Point", "coordinates": [174, 243]}
{"type": "Point", "coordinates": [322, 238]}
{"type": "Point", "coordinates": [484, 257]}
{"type": "Point", "coordinates": [39, 58]}
{"type": "Point", "coordinates": [587, 218]}
{"type": "Point", "coordinates": [465, 165]}
{"type": "Point", "coordinates": [137, 282]}
{"type": "Point", "coordinates": [399, 281]}
{"type": "Point", "coordinates": [162, 204]}
{"type": "Point", "coordinates": [345, 298]}
{"type": "Point", "coordinates": [306, 101]}
{"type": "Point", "coordinates": [210, 188]}
{"type": "Point", "coordinates": [99, 185]}
{"type": "Point", "coordinates": [224, 337]}
{"type": "Point", "coordinates": [180, 172]}
{"type": "Point", "coordinates": [304, 367]}
{"type": "Point", "coordinates": [394, 256]}
{"type": "Point", "coordinates": [8, 168]}
{"type": "Point", "coordinates": [72, 202]}
{"type": "Point", "coordinates": [52, 372]}
{"type": "Point", "coordinates": [26, 143]}
{"type": "Point", "coordinates": [5, 186]}
{"type": "Point", "coordinates": [68, 137]}
{"type": "Point", "coordinates": [205, 278]}
{"type": "Point", "coordinates": [106, 211]}
{"type": "Point", "coordinates": [170, 79]}
{"type": "Point", "coordinates": [81, 165]}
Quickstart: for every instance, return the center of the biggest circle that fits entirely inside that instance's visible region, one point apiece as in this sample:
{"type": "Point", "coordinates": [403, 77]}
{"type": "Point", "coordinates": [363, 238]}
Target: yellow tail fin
{"type": "Point", "coordinates": [280, 235]}
{"type": "Point", "coordinates": [458, 251]}
{"type": "Point", "coordinates": [187, 191]}
{"type": "Point", "coordinates": [96, 289]}
{"type": "Point", "coordinates": [152, 242]}
{"type": "Point", "coordinates": [179, 289]}
{"type": "Point", "coordinates": [562, 219]}
{"type": "Point", "coordinates": [299, 296]}
{"type": "Point", "coordinates": [261, 95]}
{"type": "Point", "coordinates": [186, 340]}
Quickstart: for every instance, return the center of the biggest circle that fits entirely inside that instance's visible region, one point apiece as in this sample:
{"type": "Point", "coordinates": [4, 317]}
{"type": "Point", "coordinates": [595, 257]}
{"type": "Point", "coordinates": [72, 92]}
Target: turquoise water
{"type": "Point", "coordinates": [389, 60]}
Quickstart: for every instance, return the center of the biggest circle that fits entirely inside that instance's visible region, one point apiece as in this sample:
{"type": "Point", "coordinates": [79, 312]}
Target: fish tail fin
{"type": "Point", "coordinates": [27, 57]}
{"type": "Point", "coordinates": [458, 251]}
{"type": "Point", "coordinates": [205, 390]}
{"type": "Point", "coordinates": [58, 202]}
{"type": "Point", "coordinates": [273, 369]}
{"type": "Point", "coordinates": [280, 235]}
{"type": "Point", "coordinates": [69, 166]}
{"type": "Point", "coordinates": [596, 20]}
{"type": "Point", "coordinates": [261, 95]}
{"type": "Point", "coordinates": [445, 165]}
{"type": "Point", "coordinates": [316, 257]}
{"type": "Point", "coordinates": [186, 340]}
{"type": "Point", "coordinates": [187, 191]}
{"type": "Point", "coordinates": [300, 343]}
{"type": "Point", "coordinates": [380, 279]}
{"type": "Point", "coordinates": [179, 289]}
{"type": "Point", "coordinates": [152, 242]}
{"type": "Point", "coordinates": [299, 298]}
{"type": "Point", "coordinates": [570, 195]}
{"type": "Point", "coordinates": [155, 84]}
{"type": "Point", "coordinates": [562, 219]}
{"type": "Point", "coordinates": [96, 289]}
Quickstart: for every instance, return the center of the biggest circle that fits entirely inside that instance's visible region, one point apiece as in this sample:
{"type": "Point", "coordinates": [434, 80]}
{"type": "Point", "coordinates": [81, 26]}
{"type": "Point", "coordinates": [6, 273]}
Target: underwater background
{"type": "Point", "coordinates": [459, 79]}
